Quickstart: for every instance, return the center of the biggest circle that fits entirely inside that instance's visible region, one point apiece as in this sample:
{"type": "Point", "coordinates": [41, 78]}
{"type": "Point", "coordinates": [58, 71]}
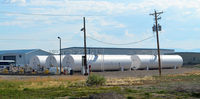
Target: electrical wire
{"type": "Point", "coordinates": [130, 43]}
{"type": "Point", "coordinates": [43, 14]}
{"type": "Point", "coordinates": [40, 40]}
{"type": "Point", "coordinates": [26, 39]}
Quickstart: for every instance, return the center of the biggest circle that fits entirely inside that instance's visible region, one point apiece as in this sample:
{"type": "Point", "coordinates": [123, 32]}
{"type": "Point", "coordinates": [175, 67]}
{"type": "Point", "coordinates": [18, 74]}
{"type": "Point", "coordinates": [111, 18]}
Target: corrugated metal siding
{"type": "Point", "coordinates": [114, 51]}
{"type": "Point", "coordinates": [189, 58]}
{"type": "Point", "coordinates": [25, 55]}
{"type": "Point", "coordinates": [17, 51]}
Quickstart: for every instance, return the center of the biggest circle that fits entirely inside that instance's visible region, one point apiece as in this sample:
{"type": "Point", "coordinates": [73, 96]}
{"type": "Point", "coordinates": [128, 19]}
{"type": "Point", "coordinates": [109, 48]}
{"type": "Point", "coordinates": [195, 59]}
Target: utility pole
{"type": "Point", "coordinates": [85, 48]}
{"type": "Point", "coordinates": [157, 28]}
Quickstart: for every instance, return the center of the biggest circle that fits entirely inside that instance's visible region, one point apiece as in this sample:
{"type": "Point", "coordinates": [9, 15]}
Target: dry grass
{"type": "Point", "coordinates": [45, 82]}
{"type": "Point", "coordinates": [196, 72]}
{"type": "Point", "coordinates": [127, 81]}
{"type": "Point", "coordinates": [56, 81]}
{"type": "Point", "coordinates": [56, 78]}
{"type": "Point", "coordinates": [61, 86]}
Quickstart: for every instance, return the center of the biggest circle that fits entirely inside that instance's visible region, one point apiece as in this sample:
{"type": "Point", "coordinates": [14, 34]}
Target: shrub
{"type": "Point", "coordinates": [26, 89]}
{"type": "Point", "coordinates": [95, 80]}
{"type": "Point", "coordinates": [131, 97]}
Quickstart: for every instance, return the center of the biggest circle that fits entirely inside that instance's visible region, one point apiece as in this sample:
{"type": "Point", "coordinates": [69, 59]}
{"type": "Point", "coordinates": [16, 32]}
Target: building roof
{"type": "Point", "coordinates": [22, 51]}
{"type": "Point", "coordinates": [185, 53]}
{"type": "Point", "coordinates": [115, 48]}
{"type": "Point", "coordinates": [7, 61]}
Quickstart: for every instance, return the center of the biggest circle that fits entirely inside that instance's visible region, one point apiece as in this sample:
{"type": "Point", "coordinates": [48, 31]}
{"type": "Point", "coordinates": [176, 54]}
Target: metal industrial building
{"type": "Point", "coordinates": [21, 57]}
{"type": "Point", "coordinates": [114, 51]}
{"type": "Point", "coordinates": [189, 58]}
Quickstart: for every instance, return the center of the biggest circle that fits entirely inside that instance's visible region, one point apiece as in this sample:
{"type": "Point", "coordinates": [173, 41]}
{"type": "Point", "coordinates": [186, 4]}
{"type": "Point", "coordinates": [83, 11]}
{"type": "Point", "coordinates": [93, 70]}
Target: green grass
{"type": "Point", "coordinates": [95, 80]}
{"type": "Point", "coordinates": [54, 92]}
{"type": "Point", "coordinates": [10, 89]}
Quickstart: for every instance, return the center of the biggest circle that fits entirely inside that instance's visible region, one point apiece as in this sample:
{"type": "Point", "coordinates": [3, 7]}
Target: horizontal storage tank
{"type": "Point", "coordinates": [54, 60]}
{"type": "Point", "coordinates": [102, 62]}
{"type": "Point", "coordinates": [37, 62]}
{"type": "Point", "coordinates": [68, 61]}
{"type": "Point", "coordinates": [75, 62]}
{"type": "Point", "coordinates": [111, 62]}
{"type": "Point", "coordinates": [151, 61]}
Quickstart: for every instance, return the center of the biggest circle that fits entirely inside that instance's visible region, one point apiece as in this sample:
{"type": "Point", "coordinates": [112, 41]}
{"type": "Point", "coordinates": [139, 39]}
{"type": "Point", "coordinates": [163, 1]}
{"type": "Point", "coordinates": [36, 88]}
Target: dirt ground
{"type": "Point", "coordinates": [116, 87]}
{"type": "Point", "coordinates": [109, 74]}
{"type": "Point", "coordinates": [143, 73]}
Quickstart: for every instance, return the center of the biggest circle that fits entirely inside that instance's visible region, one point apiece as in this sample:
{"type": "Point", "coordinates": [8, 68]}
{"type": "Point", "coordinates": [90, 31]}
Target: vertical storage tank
{"type": "Point", "coordinates": [151, 61]}
{"type": "Point", "coordinates": [37, 62]}
{"type": "Point", "coordinates": [102, 62]}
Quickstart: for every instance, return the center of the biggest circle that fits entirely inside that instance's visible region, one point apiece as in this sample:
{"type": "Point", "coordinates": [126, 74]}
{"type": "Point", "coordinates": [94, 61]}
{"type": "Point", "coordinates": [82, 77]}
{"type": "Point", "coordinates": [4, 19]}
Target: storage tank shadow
{"type": "Point", "coordinates": [151, 61]}
{"type": "Point", "coordinates": [101, 62]}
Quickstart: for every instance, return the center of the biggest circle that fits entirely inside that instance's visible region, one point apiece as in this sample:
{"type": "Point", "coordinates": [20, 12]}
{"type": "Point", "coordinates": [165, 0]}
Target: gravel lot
{"type": "Point", "coordinates": [109, 74]}
{"type": "Point", "coordinates": [142, 73]}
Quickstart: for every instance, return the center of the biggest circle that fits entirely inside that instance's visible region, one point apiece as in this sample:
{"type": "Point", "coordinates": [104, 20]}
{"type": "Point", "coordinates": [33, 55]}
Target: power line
{"type": "Point", "coordinates": [130, 43]}
{"type": "Point", "coordinates": [27, 39]}
{"type": "Point", "coordinates": [43, 14]}
{"type": "Point", "coordinates": [16, 39]}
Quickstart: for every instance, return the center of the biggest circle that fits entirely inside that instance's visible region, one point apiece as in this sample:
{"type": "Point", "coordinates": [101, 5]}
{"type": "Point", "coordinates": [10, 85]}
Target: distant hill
{"type": "Point", "coordinates": [187, 50]}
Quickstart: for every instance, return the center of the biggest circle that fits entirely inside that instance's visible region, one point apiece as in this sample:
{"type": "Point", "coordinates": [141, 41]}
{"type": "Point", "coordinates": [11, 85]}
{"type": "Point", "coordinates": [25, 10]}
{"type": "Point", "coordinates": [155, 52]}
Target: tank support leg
{"type": "Point", "coordinates": [147, 67]}
{"type": "Point", "coordinates": [122, 68]}
{"type": "Point", "coordinates": [175, 67]}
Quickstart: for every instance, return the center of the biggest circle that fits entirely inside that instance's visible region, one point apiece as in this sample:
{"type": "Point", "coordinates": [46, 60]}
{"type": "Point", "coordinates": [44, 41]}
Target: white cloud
{"type": "Point", "coordinates": [15, 23]}
{"type": "Point", "coordinates": [106, 22]}
{"type": "Point", "coordinates": [60, 3]}
{"type": "Point", "coordinates": [121, 41]}
{"type": "Point", "coordinates": [196, 29]}
{"type": "Point", "coordinates": [127, 34]}
{"type": "Point", "coordinates": [90, 7]}
{"type": "Point", "coordinates": [16, 1]}
{"type": "Point", "coordinates": [187, 44]}
{"type": "Point", "coordinates": [111, 8]}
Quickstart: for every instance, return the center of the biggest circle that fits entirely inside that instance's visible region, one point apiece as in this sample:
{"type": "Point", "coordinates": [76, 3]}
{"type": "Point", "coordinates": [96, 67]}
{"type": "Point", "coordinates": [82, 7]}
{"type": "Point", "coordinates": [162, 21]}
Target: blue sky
{"type": "Point", "coordinates": [29, 24]}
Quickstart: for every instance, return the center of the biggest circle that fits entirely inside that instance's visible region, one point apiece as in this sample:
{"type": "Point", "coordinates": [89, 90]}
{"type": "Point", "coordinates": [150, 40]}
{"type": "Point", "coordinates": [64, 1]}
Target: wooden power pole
{"type": "Point", "coordinates": [157, 28]}
{"type": "Point", "coordinates": [85, 48]}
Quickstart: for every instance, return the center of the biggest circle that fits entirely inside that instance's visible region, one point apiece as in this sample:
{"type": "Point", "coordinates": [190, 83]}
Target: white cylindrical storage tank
{"type": "Point", "coordinates": [151, 61]}
{"type": "Point", "coordinates": [54, 61]}
{"type": "Point", "coordinates": [102, 62]}
{"type": "Point", "coordinates": [37, 62]}
{"type": "Point", "coordinates": [76, 64]}
{"type": "Point", "coordinates": [111, 62]}
{"type": "Point", "coordinates": [68, 61]}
